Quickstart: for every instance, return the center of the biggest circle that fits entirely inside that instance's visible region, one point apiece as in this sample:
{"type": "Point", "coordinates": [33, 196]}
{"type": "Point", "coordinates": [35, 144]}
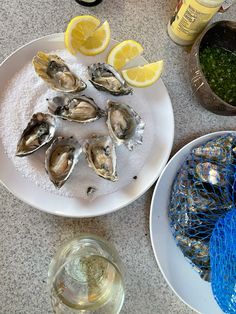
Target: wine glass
{"type": "Point", "coordinates": [86, 276]}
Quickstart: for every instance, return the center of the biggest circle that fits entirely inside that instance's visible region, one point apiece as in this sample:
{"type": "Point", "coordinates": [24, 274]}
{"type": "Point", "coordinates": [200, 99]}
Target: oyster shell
{"type": "Point", "coordinates": [101, 156]}
{"type": "Point", "coordinates": [219, 149]}
{"type": "Point", "coordinates": [80, 109]}
{"type": "Point", "coordinates": [39, 131]}
{"type": "Point", "coordinates": [105, 78]}
{"type": "Point", "coordinates": [56, 73]}
{"type": "Point", "coordinates": [124, 124]}
{"type": "Point", "coordinates": [210, 173]}
{"type": "Point", "coordinates": [61, 158]}
{"type": "Point", "coordinates": [214, 152]}
{"type": "Point", "coordinates": [198, 251]}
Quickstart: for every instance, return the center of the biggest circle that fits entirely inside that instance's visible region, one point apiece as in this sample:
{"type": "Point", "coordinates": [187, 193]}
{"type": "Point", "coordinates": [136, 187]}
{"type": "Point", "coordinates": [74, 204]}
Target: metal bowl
{"type": "Point", "coordinates": [221, 34]}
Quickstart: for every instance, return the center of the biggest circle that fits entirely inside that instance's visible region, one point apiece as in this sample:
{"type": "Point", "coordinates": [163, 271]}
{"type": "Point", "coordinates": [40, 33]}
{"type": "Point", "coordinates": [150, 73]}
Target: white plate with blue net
{"type": "Point", "coordinates": [34, 188]}
{"type": "Point", "coordinates": [176, 269]}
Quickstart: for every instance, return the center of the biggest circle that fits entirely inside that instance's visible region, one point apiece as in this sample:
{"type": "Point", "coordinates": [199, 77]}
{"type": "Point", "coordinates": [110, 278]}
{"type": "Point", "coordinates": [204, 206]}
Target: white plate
{"type": "Point", "coordinates": [160, 103]}
{"type": "Point", "coordinates": [177, 271]}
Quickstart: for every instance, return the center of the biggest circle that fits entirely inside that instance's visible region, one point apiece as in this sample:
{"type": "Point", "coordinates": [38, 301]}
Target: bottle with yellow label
{"type": "Point", "coordinates": [190, 18]}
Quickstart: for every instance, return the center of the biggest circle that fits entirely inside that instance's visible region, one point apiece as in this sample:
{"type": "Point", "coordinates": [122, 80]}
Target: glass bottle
{"type": "Point", "coordinates": [190, 18]}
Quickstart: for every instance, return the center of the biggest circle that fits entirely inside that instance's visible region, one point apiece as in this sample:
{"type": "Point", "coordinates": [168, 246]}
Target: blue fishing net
{"type": "Point", "coordinates": [202, 192]}
{"type": "Point", "coordinates": [223, 262]}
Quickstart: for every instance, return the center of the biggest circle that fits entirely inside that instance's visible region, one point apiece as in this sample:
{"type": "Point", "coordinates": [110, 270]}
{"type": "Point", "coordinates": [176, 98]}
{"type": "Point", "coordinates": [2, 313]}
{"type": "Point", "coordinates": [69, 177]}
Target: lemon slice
{"type": "Point", "coordinates": [143, 76]}
{"type": "Point", "coordinates": [122, 53]}
{"type": "Point", "coordinates": [97, 42]}
{"type": "Point", "coordinates": [79, 30]}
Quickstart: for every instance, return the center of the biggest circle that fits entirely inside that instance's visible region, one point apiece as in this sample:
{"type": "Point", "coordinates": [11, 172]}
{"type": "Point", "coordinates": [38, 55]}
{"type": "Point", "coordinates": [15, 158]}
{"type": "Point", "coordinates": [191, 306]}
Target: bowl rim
{"type": "Point", "coordinates": [197, 46]}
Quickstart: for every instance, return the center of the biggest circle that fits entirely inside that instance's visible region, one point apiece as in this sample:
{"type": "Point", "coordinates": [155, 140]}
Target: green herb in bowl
{"type": "Point", "coordinates": [219, 68]}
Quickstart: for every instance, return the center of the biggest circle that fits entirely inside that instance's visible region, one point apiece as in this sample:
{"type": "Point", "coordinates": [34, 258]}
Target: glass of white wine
{"type": "Point", "coordinates": [86, 276]}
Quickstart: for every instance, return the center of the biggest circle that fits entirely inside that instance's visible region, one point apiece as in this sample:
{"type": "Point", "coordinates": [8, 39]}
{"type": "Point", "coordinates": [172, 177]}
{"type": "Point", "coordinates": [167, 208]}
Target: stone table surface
{"type": "Point", "coordinates": [29, 237]}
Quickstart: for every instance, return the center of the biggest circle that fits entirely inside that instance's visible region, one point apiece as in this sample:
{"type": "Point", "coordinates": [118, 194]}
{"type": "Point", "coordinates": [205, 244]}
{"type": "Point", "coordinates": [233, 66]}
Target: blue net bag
{"type": "Point", "coordinates": [202, 192]}
{"type": "Point", "coordinates": [223, 262]}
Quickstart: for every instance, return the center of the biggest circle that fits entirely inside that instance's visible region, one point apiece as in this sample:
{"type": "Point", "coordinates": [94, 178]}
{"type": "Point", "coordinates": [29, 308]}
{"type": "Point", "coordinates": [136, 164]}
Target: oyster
{"type": "Point", "coordinates": [218, 149]}
{"type": "Point", "coordinates": [105, 78]}
{"type": "Point", "coordinates": [214, 152]}
{"type": "Point", "coordinates": [210, 173]}
{"type": "Point", "coordinates": [101, 156]}
{"type": "Point", "coordinates": [61, 158]}
{"type": "Point", "coordinates": [124, 124]}
{"type": "Point", "coordinates": [56, 73]}
{"type": "Point", "coordinates": [75, 108]}
{"type": "Point", "coordinates": [39, 131]}
{"type": "Point", "coordinates": [198, 254]}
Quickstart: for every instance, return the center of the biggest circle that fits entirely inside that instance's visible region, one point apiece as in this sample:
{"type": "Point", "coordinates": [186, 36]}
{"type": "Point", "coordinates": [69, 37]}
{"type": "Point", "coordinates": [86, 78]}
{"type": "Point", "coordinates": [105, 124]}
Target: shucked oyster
{"type": "Point", "coordinates": [61, 158]}
{"type": "Point", "coordinates": [124, 124]}
{"type": "Point", "coordinates": [56, 73]}
{"type": "Point", "coordinates": [101, 156]}
{"type": "Point", "coordinates": [104, 77]}
{"type": "Point", "coordinates": [75, 108]}
{"type": "Point", "coordinates": [39, 131]}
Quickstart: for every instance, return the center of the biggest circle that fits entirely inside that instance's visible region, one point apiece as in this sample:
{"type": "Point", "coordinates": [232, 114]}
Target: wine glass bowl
{"type": "Point", "coordinates": [86, 276]}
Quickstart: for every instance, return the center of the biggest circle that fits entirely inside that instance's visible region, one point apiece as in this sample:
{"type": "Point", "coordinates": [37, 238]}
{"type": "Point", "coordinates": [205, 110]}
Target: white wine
{"type": "Point", "coordinates": [100, 284]}
{"type": "Point", "coordinates": [86, 283]}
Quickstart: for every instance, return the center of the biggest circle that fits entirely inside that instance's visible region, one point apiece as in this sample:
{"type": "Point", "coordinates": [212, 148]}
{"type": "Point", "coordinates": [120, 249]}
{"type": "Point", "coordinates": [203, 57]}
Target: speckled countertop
{"type": "Point", "coordinates": [28, 237]}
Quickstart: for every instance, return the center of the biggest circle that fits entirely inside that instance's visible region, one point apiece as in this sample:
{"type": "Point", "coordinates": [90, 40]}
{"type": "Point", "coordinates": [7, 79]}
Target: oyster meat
{"type": "Point", "coordinates": [124, 124]}
{"type": "Point", "coordinates": [101, 156]}
{"type": "Point", "coordinates": [105, 78]}
{"type": "Point", "coordinates": [39, 131]}
{"type": "Point", "coordinates": [61, 158]}
{"type": "Point", "coordinates": [80, 109]}
{"type": "Point", "coordinates": [53, 70]}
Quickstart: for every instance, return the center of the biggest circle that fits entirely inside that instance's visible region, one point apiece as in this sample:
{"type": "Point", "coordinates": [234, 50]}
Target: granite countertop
{"type": "Point", "coordinates": [29, 237]}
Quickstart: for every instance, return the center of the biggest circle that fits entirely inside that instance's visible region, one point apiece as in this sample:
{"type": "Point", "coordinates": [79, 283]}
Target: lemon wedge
{"type": "Point", "coordinates": [84, 35]}
{"type": "Point", "coordinates": [97, 42]}
{"type": "Point", "coordinates": [143, 76]}
{"type": "Point", "coordinates": [123, 52]}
